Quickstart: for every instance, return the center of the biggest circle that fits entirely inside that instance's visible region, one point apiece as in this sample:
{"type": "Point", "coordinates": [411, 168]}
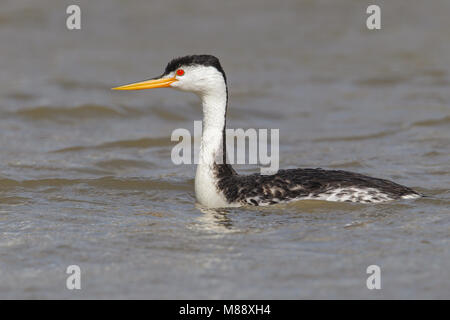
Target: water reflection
{"type": "Point", "coordinates": [214, 220]}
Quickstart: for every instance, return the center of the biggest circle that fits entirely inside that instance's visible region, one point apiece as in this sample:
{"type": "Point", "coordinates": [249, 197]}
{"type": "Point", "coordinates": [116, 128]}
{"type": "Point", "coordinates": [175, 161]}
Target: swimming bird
{"type": "Point", "coordinates": [217, 184]}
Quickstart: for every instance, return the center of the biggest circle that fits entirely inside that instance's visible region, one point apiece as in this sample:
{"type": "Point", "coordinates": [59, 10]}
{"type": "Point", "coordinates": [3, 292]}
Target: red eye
{"type": "Point", "coordinates": [180, 72]}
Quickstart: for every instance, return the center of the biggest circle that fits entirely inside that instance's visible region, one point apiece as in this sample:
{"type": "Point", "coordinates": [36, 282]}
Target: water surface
{"type": "Point", "coordinates": [86, 176]}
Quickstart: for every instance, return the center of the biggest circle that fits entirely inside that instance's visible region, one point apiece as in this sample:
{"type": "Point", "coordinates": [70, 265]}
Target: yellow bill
{"type": "Point", "coordinates": [148, 84]}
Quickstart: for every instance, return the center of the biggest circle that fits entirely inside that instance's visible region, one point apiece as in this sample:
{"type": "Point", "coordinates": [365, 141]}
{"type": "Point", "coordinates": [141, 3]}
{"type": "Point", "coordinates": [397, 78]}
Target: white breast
{"type": "Point", "coordinates": [206, 191]}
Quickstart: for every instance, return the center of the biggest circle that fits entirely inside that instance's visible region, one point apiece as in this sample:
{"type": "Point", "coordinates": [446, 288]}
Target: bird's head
{"type": "Point", "coordinates": [201, 74]}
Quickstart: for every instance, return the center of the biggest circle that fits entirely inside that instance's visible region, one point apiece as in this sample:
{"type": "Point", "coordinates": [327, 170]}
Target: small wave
{"type": "Point", "coordinates": [434, 154]}
{"type": "Point", "coordinates": [84, 170]}
{"type": "Point", "coordinates": [166, 114]}
{"type": "Point", "coordinates": [320, 205]}
{"type": "Point", "coordinates": [104, 182]}
{"type": "Point", "coordinates": [350, 164]}
{"type": "Point", "coordinates": [137, 143]}
{"type": "Point", "coordinates": [123, 164]}
{"type": "Point", "coordinates": [360, 137]}
{"type": "Point", "coordinates": [382, 81]}
{"type": "Point", "coordinates": [14, 200]}
{"type": "Point", "coordinates": [79, 112]}
{"type": "Point", "coordinates": [6, 184]}
{"type": "Point", "coordinates": [241, 114]}
{"type": "Point", "coordinates": [433, 122]}
{"type": "Point", "coordinates": [21, 96]}
{"type": "Point", "coordinates": [70, 84]}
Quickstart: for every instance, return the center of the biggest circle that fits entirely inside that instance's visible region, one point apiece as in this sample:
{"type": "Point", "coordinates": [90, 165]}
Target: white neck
{"type": "Point", "coordinates": [214, 104]}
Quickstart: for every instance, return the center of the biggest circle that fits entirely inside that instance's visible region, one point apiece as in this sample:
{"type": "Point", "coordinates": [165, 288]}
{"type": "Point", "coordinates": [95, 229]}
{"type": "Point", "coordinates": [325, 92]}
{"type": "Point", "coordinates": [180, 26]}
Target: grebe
{"type": "Point", "coordinates": [218, 185]}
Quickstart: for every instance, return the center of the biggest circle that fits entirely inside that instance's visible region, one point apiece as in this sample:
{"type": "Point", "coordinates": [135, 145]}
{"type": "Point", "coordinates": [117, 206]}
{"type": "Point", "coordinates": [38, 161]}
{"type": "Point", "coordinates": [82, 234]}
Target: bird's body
{"type": "Point", "coordinates": [307, 184]}
{"type": "Point", "coordinates": [218, 185]}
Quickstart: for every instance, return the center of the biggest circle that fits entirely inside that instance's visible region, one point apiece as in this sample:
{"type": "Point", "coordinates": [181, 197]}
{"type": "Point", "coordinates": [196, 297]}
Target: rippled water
{"type": "Point", "coordinates": [86, 176]}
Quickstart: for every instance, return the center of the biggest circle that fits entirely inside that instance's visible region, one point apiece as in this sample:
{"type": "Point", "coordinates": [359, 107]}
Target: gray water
{"type": "Point", "coordinates": [86, 177]}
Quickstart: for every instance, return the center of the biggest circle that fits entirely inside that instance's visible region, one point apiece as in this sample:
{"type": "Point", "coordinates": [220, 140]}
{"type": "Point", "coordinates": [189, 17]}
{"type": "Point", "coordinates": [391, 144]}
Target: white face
{"type": "Point", "coordinates": [198, 79]}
